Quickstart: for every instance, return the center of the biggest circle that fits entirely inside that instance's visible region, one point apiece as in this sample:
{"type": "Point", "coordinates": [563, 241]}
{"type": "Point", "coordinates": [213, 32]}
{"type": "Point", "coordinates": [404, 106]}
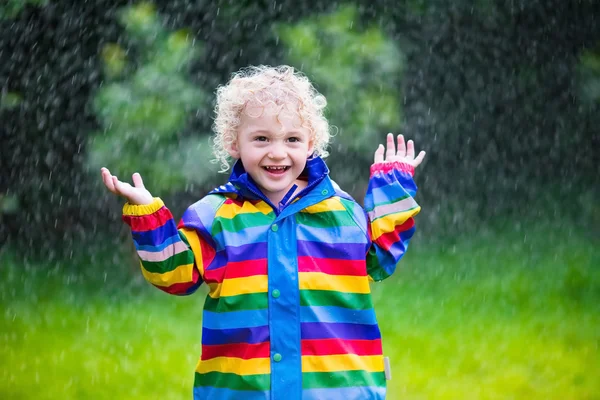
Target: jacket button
{"type": "Point", "coordinates": [274, 227]}
{"type": "Point", "coordinates": [275, 293]}
{"type": "Point", "coordinates": [324, 191]}
{"type": "Point", "coordinates": [276, 357]}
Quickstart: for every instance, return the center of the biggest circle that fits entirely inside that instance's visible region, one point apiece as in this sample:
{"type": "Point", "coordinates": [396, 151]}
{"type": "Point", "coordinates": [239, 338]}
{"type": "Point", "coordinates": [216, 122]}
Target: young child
{"type": "Point", "coordinates": [286, 254]}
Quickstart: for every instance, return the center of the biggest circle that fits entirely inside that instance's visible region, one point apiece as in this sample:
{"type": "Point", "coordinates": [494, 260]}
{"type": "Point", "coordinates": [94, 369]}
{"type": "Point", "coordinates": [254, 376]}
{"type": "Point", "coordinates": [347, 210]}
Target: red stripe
{"type": "Point", "coordinates": [325, 347]}
{"type": "Point", "coordinates": [208, 253]}
{"type": "Point", "coordinates": [238, 350]}
{"type": "Point", "coordinates": [387, 240]}
{"type": "Point", "coordinates": [386, 167]}
{"type": "Point", "coordinates": [232, 201]}
{"type": "Point", "coordinates": [148, 222]}
{"type": "Point", "coordinates": [332, 266]}
{"type": "Point", "coordinates": [237, 270]}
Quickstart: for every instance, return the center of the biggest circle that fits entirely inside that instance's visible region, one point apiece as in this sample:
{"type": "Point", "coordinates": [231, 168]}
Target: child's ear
{"type": "Point", "coordinates": [311, 147]}
{"type": "Point", "coordinates": [233, 149]}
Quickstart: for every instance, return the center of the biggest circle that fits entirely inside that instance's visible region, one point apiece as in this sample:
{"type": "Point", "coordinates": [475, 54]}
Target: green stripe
{"type": "Point", "coordinates": [240, 222]}
{"type": "Point", "coordinates": [328, 219]}
{"type": "Point", "coordinates": [186, 257]}
{"type": "Point", "coordinates": [313, 380]}
{"type": "Point", "coordinates": [374, 268]}
{"type": "Point", "coordinates": [354, 301]}
{"type": "Point", "coordinates": [259, 382]}
{"type": "Point", "coordinates": [240, 302]}
{"type": "Point", "coordinates": [214, 200]}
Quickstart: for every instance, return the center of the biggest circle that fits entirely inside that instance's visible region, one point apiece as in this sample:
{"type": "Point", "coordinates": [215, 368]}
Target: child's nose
{"type": "Point", "coordinates": [277, 151]}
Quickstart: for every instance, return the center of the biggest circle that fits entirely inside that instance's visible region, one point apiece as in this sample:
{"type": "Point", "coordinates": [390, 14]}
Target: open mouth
{"type": "Point", "coordinates": [276, 170]}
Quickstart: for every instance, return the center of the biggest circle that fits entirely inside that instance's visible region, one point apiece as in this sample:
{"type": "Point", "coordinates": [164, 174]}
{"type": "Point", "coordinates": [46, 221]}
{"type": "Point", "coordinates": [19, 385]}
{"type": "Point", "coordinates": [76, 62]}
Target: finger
{"type": "Point", "coordinates": [401, 147]}
{"type": "Point", "coordinates": [108, 181]}
{"type": "Point", "coordinates": [379, 154]}
{"type": "Point", "coordinates": [419, 159]}
{"type": "Point", "coordinates": [121, 188]}
{"type": "Point", "coordinates": [390, 152]}
{"type": "Point", "coordinates": [410, 150]}
{"type": "Point", "coordinates": [137, 181]}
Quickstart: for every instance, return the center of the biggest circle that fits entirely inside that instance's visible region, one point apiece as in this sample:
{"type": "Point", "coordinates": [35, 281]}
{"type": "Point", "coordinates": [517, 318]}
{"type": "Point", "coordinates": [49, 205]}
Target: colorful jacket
{"type": "Point", "coordinates": [289, 313]}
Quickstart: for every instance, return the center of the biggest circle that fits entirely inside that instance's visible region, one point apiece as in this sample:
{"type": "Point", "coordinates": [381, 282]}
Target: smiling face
{"type": "Point", "coordinates": [273, 147]}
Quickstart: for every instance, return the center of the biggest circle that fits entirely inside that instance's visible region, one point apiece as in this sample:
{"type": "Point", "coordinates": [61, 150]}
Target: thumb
{"type": "Point", "coordinates": [137, 181]}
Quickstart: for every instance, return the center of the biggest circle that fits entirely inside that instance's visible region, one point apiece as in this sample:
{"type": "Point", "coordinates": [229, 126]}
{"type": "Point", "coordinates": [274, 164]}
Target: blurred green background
{"type": "Point", "coordinates": [499, 295]}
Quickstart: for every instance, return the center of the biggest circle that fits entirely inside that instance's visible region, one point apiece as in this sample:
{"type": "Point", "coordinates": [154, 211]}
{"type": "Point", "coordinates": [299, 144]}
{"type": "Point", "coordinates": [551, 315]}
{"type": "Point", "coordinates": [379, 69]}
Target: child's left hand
{"type": "Point", "coordinates": [404, 154]}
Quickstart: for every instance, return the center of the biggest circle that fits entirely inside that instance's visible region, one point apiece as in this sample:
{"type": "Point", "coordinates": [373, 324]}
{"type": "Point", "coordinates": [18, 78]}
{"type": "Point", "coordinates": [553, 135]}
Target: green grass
{"type": "Point", "coordinates": [504, 315]}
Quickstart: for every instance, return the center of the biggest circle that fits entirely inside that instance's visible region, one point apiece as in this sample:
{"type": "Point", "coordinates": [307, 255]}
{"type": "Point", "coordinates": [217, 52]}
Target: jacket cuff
{"type": "Point", "coordinates": [134, 210]}
{"type": "Point", "coordinates": [386, 167]}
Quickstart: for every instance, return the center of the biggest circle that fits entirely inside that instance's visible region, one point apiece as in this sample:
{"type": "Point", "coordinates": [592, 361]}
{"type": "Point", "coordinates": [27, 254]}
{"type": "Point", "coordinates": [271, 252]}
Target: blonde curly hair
{"type": "Point", "coordinates": [281, 86]}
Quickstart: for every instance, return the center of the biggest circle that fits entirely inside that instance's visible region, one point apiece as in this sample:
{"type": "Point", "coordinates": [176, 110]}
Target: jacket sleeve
{"type": "Point", "coordinates": [172, 257]}
{"type": "Point", "coordinates": [390, 208]}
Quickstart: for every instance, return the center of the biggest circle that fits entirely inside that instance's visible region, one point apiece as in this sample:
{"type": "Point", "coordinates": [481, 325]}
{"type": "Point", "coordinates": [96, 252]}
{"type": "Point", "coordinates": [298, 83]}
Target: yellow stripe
{"type": "Point", "coordinates": [389, 223]}
{"type": "Point", "coordinates": [142, 209]}
{"type": "Point", "coordinates": [342, 362]}
{"type": "Point", "coordinates": [231, 210]}
{"type": "Point", "coordinates": [330, 204]}
{"type": "Point", "coordinates": [339, 283]}
{"type": "Point", "coordinates": [235, 286]}
{"type": "Point", "coordinates": [194, 240]}
{"type": "Point", "coordinates": [181, 274]}
{"type": "Point", "coordinates": [233, 365]}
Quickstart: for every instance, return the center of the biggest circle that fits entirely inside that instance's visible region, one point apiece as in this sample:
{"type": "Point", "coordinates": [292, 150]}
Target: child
{"type": "Point", "coordinates": [286, 254]}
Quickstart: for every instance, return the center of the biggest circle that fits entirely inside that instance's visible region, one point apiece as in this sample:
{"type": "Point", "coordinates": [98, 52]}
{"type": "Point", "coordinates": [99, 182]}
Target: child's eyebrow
{"type": "Point", "coordinates": [266, 131]}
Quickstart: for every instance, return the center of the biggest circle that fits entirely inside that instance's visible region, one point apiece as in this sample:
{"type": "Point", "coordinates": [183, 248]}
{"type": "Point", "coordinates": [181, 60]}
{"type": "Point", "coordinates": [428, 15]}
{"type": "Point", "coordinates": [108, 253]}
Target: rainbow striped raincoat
{"type": "Point", "coordinates": [289, 314]}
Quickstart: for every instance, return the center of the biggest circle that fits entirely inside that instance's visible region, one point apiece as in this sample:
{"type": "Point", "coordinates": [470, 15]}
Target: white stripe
{"type": "Point", "coordinates": [158, 256]}
{"type": "Point", "coordinates": [402, 205]}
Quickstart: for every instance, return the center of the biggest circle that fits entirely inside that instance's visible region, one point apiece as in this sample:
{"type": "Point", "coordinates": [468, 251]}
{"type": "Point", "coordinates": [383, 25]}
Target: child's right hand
{"type": "Point", "coordinates": [136, 195]}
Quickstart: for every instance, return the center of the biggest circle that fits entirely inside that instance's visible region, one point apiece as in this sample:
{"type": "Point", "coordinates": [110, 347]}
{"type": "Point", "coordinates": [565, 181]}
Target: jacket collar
{"type": "Point", "coordinates": [241, 183]}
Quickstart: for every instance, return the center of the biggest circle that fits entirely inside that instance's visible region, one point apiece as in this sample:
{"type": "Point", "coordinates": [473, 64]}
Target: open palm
{"type": "Point", "coordinates": [136, 194]}
{"type": "Point", "coordinates": [405, 153]}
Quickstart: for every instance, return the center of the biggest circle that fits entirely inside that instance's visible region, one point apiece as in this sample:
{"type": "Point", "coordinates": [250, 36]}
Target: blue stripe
{"type": "Point", "coordinates": [235, 319]}
{"type": "Point", "coordinates": [256, 334]}
{"type": "Point", "coordinates": [213, 393]}
{"type": "Point", "coordinates": [324, 330]}
{"type": "Point", "coordinates": [256, 234]}
{"type": "Point", "coordinates": [342, 234]}
{"type": "Point", "coordinates": [337, 315]}
{"type": "Point", "coordinates": [386, 194]}
{"type": "Point", "coordinates": [345, 393]}
{"type": "Point", "coordinates": [404, 178]}
{"type": "Point", "coordinates": [159, 247]}
{"type": "Point", "coordinates": [155, 236]}
{"type": "Point", "coordinates": [345, 251]}
{"type": "Point", "coordinates": [252, 251]}
{"type": "Point", "coordinates": [200, 216]}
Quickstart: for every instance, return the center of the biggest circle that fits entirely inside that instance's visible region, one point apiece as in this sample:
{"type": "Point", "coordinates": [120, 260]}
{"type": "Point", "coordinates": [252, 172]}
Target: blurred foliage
{"type": "Point", "coordinates": [10, 100]}
{"type": "Point", "coordinates": [144, 107]}
{"type": "Point", "coordinates": [494, 90]}
{"type": "Point", "coordinates": [358, 71]}
{"type": "Point", "coordinates": [10, 8]}
{"type": "Point", "coordinates": [589, 75]}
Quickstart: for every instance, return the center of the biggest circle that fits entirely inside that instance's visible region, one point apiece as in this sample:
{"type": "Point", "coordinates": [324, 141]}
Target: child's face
{"type": "Point", "coordinates": [273, 146]}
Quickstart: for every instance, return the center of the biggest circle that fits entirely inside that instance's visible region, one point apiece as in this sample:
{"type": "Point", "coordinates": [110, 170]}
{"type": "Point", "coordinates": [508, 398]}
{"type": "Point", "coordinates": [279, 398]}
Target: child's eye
{"type": "Point", "coordinates": [261, 138]}
{"type": "Point", "coordinates": [294, 139]}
